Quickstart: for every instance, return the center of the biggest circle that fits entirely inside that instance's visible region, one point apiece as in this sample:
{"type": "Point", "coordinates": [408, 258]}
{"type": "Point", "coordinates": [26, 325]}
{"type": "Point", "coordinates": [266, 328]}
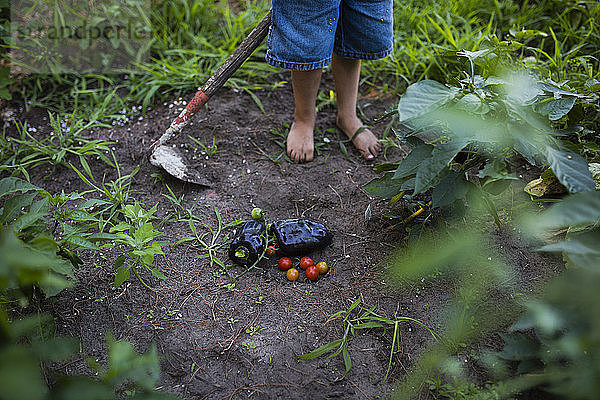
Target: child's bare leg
{"type": "Point", "coordinates": [346, 74]}
{"type": "Point", "coordinates": [300, 145]}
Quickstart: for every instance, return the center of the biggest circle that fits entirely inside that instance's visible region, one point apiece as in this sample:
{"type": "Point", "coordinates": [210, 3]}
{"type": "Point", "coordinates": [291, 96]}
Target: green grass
{"type": "Point", "coordinates": [30, 148]}
{"type": "Point", "coordinates": [209, 240]}
{"type": "Point", "coordinates": [427, 33]}
{"type": "Point", "coordinates": [190, 39]}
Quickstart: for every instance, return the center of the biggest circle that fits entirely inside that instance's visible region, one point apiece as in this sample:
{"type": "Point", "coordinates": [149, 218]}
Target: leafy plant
{"type": "Point", "coordinates": [210, 240]}
{"type": "Point", "coordinates": [463, 137]}
{"type": "Point", "coordinates": [367, 319]}
{"type": "Point", "coordinates": [460, 389]}
{"type": "Point", "coordinates": [480, 284]}
{"type": "Point", "coordinates": [117, 192]}
{"type": "Point", "coordinates": [137, 234]}
{"type": "Point", "coordinates": [77, 218]}
{"type": "Point", "coordinates": [554, 345]}
{"type": "Point", "coordinates": [552, 342]}
{"type": "Point", "coordinates": [27, 345]}
{"type": "Point", "coordinates": [29, 254]}
{"type": "Point", "coordinates": [31, 258]}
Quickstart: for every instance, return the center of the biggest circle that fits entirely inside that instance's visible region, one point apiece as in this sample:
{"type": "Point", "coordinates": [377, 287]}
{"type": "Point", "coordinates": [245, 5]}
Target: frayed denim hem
{"type": "Point", "coordinates": [296, 66]}
{"type": "Point", "coordinates": [357, 55]}
{"type": "Point", "coordinates": [299, 66]}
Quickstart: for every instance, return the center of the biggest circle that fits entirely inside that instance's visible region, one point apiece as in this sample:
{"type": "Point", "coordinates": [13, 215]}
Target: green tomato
{"type": "Point", "coordinates": [257, 213]}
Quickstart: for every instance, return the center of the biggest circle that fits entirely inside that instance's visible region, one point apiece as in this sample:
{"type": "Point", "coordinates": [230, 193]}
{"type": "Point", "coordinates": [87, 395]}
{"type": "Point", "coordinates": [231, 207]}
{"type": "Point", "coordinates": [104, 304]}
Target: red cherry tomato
{"type": "Point", "coordinates": [312, 273]}
{"type": "Point", "coordinates": [270, 250]}
{"type": "Point", "coordinates": [292, 274]}
{"type": "Point", "coordinates": [284, 263]}
{"type": "Point", "coordinates": [322, 267]}
{"type": "Point", "coordinates": [305, 262]}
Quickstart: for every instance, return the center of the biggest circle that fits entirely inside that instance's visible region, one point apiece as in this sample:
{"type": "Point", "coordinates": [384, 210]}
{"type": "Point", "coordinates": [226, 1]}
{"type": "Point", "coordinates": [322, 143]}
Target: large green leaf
{"type": "Point", "coordinates": [579, 209]}
{"type": "Point", "coordinates": [14, 205]}
{"type": "Point", "coordinates": [22, 265]}
{"type": "Point", "coordinates": [40, 206]}
{"type": "Point", "coordinates": [81, 216]}
{"type": "Point", "coordinates": [385, 186]}
{"type": "Point", "coordinates": [423, 97]}
{"type": "Point", "coordinates": [121, 276]}
{"type": "Point", "coordinates": [26, 220]}
{"type": "Point", "coordinates": [124, 364]}
{"type": "Point", "coordinates": [452, 187]}
{"type": "Point", "coordinates": [385, 167]}
{"type": "Point", "coordinates": [571, 170]}
{"type": "Point", "coordinates": [556, 91]}
{"type": "Point", "coordinates": [430, 169]}
{"type": "Point", "coordinates": [582, 249]}
{"type": "Point", "coordinates": [158, 274]}
{"type": "Point", "coordinates": [409, 165]}
{"type": "Point", "coordinates": [523, 91]}
{"type": "Point", "coordinates": [145, 233]}
{"type": "Point", "coordinates": [466, 125]}
{"type": "Point", "coordinates": [58, 348]}
{"type": "Point", "coordinates": [13, 184]}
{"type": "Point", "coordinates": [473, 104]}
{"type": "Point", "coordinates": [72, 388]}
{"type": "Point", "coordinates": [81, 242]}
{"type": "Point", "coordinates": [555, 109]}
{"type": "Point", "coordinates": [518, 346]}
{"type": "Point", "coordinates": [541, 316]}
{"type": "Point", "coordinates": [20, 375]}
{"type": "Point", "coordinates": [529, 151]}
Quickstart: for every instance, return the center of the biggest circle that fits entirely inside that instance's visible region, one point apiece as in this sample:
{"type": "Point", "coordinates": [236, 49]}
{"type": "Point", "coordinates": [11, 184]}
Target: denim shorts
{"type": "Point", "coordinates": [305, 33]}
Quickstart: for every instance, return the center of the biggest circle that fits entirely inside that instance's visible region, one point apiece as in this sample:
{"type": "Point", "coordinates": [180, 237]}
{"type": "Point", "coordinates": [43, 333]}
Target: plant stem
{"type": "Point", "coordinates": [137, 274]}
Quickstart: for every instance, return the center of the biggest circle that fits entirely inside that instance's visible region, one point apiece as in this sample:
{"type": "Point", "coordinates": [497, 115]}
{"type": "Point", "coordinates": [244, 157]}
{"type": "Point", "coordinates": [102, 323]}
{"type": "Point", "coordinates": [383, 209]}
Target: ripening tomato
{"type": "Point", "coordinates": [292, 274]}
{"type": "Point", "coordinates": [312, 273]}
{"type": "Point", "coordinates": [322, 267]}
{"type": "Point", "coordinates": [305, 262]}
{"type": "Point", "coordinates": [284, 263]}
{"type": "Point", "coordinates": [257, 213]}
{"type": "Point", "coordinates": [270, 250]}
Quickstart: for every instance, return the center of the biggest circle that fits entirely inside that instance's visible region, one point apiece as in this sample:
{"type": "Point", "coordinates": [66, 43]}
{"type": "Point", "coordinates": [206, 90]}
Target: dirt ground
{"type": "Point", "coordinates": [225, 338]}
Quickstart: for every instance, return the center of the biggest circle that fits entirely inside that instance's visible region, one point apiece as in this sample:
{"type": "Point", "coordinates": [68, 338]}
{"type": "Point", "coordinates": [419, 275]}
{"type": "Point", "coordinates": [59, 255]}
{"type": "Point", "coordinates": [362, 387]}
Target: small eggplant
{"type": "Point", "coordinates": [298, 236]}
{"type": "Point", "coordinates": [248, 243]}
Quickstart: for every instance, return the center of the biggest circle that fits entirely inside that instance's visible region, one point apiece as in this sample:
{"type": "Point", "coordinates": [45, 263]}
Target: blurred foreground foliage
{"type": "Point", "coordinates": [551, 340]}
{"type": "Point", "coordinates": [35, 265]}
{"type": "Point", "coordinates": [495, 113]}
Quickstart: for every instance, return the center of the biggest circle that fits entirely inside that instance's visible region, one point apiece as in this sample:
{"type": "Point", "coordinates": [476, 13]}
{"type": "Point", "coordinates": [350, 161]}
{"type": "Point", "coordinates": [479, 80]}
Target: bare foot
{"type": "Point", "coordinates": [365, 141]}
{"type": "Point", "coordinates": [300, 144]}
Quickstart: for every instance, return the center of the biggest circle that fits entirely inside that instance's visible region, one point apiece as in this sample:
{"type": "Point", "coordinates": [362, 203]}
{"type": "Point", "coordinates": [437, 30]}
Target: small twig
{"type": "Point", "coordinates": [267, 156]}
{"type": "Point", "coordinates": [338, 195]}
{"type": "Point", "coordinates": [357, 388]}
{"type": "Point", "coordinates": [244, 388]}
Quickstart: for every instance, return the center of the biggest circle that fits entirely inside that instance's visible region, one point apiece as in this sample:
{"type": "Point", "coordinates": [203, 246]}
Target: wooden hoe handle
{"type": "Point", "coordinates": [218, 79]}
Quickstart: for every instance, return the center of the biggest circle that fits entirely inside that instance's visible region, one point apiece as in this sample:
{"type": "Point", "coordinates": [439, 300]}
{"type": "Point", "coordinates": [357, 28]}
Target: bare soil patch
{"type": "Point", "coordinates": [219, 340]}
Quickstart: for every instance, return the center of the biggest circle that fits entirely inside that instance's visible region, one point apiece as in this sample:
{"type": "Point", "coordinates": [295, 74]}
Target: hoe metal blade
{"type": "Point", "coordinates": [170, 158]}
